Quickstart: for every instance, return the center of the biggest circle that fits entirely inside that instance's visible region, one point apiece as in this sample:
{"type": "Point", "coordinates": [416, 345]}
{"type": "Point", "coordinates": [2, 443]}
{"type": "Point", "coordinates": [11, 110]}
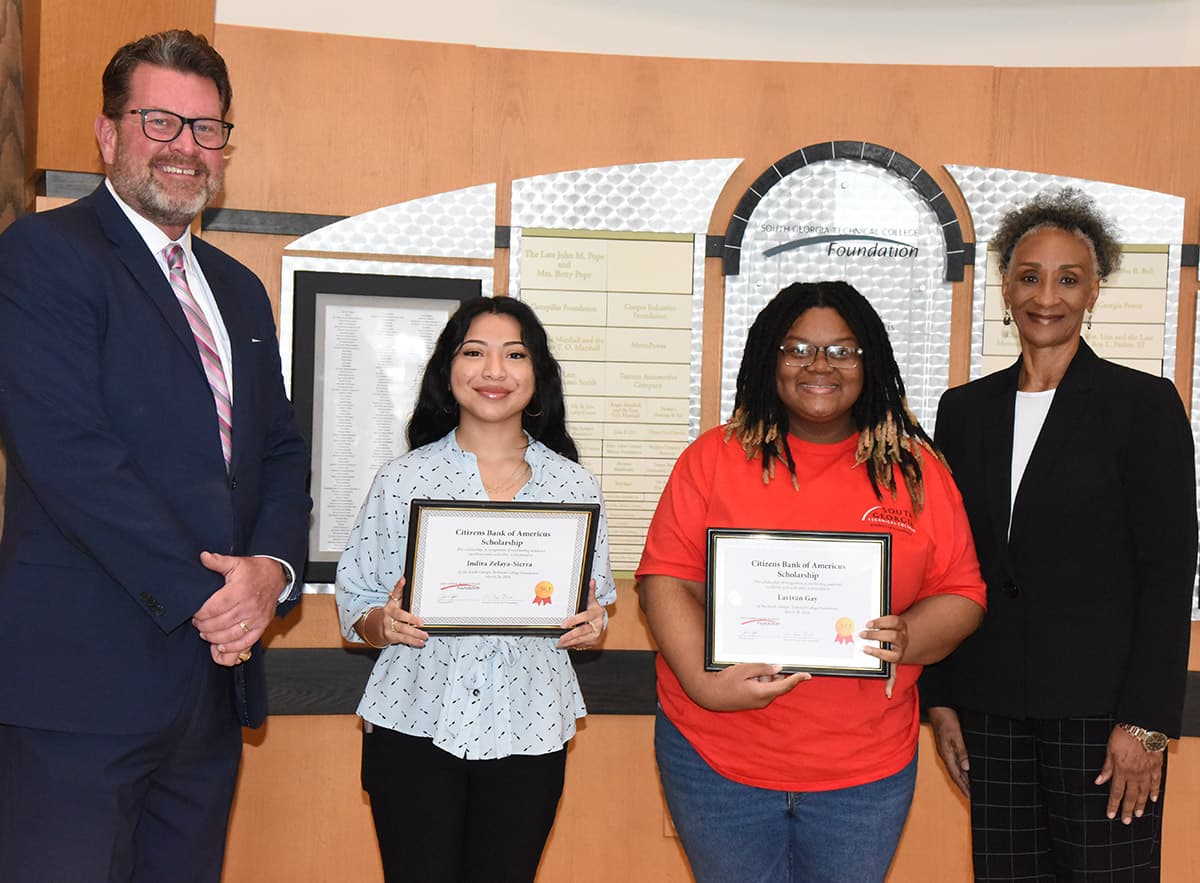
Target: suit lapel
{"type": "Point", "coordinates": [143, 267]}
{"type": "Point", "coordinates": [1066, 418]}
{"type": "Point", "coordinates": [998, 435]}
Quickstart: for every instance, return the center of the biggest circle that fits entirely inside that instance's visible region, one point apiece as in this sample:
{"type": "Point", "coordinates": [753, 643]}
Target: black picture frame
{"type": "Point", "coordinates": [309, 288]}
{"type": "Point", "coordinates": [496, 515]}
{"type": "Point", "coordinates": [881, 543]}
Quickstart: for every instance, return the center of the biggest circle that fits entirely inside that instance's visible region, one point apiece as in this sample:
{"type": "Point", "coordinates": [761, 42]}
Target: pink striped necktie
{"type": "Point", "coordinates": [206, 344]}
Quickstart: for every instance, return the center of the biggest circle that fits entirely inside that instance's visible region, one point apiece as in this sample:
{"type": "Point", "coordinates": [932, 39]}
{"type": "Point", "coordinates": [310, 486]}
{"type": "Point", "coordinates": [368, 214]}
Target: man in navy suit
{"type": "Point", "coordinates": [155, 511]}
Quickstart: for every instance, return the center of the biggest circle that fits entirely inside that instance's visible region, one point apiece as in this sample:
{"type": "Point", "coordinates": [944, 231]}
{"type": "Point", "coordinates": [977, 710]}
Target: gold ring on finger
{"type": "Point", "coordinates": [245, 628]}
{"type": "Point", "coordinates": [244, 656]}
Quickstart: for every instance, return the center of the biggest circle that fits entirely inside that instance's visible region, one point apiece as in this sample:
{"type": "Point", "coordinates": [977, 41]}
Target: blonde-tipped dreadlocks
{"type": "Point", "coordinates": [889, 435]}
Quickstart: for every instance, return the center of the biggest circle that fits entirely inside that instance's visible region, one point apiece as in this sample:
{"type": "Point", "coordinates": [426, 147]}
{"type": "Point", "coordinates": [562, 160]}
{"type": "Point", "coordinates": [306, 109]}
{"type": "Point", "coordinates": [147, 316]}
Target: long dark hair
{"type": "Point", "coordinates": [889, 435]}
{"type": "Point", "coordinates": [544, 418]}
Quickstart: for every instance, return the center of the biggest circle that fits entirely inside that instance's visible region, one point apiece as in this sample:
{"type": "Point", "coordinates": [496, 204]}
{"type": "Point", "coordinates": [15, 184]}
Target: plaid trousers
{"type": "Point", "coordinates": [1036, 812]}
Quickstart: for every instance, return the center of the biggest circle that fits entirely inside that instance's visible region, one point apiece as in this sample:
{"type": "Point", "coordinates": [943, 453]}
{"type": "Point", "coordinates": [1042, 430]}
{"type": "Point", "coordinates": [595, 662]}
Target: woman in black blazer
{"type": "Point", "coordinates": [1079, 480]}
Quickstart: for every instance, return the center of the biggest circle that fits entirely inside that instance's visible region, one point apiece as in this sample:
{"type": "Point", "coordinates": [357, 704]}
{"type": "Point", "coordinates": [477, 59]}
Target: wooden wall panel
{"type": "Point", "coordinates": [1185, 344]}
{"type": "Point", "coordinates": [299, 813]}
{"type": "Point", "coordinates": [443, 117]}
{"type": "Point", "coordinates": [935, 844]}
{"type": "Point", "coordinates": [1123, 125]}
{"type": "Point", "coordinates": [12, 115]}
{"type": "Point", "coordinates": [311, 623]}
{"type": "Point", "coordinates": [612, 821]}
{"type": "Point", "coordinates": [559, 111]}
{"type": "Point", "coordinates": [1130, 126]}
{"type": "Point", "coordinates": [1181, 851]}
{"type": "Point", "coordinates": [262, 254]}
{"type": "Point", "coordinates": [341, 125]}
{"type": "Point", "coordinates": [76, 42]}
{"type": "Point", "coordinates": [299, 786]}
{"type": "Point", "coordinates": [31, 34]}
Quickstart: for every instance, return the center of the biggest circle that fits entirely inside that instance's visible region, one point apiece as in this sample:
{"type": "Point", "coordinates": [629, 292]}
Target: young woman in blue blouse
{"type": "Point", "coordinates": [464, 736]}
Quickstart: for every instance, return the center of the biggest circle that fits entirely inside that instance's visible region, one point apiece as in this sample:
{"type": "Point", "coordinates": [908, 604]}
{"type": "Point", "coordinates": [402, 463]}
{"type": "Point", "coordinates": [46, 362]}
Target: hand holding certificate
{"type": "Point", "coordinates": [796, 599]}
{"type": "Point", "coordinates": [498, 568]}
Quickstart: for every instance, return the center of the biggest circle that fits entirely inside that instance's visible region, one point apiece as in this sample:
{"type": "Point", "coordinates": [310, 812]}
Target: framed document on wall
{"type": "Point", "coordinates": [360, 346]}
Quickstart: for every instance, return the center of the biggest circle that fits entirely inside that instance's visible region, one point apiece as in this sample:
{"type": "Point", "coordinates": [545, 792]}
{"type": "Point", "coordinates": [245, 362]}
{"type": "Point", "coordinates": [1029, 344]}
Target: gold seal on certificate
{"type": "Point", "coordinates": [475, 567]}
{"type": "Point", "coordinates": [796, 599]}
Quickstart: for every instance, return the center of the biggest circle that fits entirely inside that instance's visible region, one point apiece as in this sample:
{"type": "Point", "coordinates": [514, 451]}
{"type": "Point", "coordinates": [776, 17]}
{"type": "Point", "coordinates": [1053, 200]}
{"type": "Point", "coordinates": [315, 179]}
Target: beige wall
{"type": "Point", "coordinates": [1117, 33]}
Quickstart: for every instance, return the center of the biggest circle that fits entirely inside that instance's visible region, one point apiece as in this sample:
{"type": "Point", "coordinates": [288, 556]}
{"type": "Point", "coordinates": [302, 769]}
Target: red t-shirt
{"type": "Point", "coordinates": [829, 732]}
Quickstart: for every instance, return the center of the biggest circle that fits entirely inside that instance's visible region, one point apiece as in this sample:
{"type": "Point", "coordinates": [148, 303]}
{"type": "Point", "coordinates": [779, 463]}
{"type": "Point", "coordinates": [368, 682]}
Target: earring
{"type": "Point", "coordinates": [1089, 320]}
{"type": "Point", "coordinates": [529, 413]}
{"type": "Point", "coordinates": [449, 409]}
{"type": "Point", "coordinates": [1007, 316]}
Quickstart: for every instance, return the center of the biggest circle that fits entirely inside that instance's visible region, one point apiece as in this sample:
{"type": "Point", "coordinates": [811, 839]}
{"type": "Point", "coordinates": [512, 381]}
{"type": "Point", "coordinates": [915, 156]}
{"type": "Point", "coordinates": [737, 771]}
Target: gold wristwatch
{"type": "Point", "coordinates": [1151, 740]}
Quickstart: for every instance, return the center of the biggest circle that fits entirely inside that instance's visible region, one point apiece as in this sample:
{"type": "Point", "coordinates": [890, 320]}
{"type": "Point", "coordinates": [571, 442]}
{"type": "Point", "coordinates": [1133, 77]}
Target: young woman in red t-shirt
{"type": "Point", "coordinates": [773, 777]}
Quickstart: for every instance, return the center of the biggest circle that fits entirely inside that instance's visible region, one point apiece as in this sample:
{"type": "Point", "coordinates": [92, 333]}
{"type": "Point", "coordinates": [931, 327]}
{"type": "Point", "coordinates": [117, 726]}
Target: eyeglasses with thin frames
{"type": "Point", "coordinates": [166, 126]}
{"type": "Point", "coordinates": [801, 354]}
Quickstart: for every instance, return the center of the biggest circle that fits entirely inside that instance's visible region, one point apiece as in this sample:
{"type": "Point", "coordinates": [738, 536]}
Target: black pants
{"type": "Point", "coordinates": [442, 819]}
{"type": "Point", "coordinates": [1036, 812]}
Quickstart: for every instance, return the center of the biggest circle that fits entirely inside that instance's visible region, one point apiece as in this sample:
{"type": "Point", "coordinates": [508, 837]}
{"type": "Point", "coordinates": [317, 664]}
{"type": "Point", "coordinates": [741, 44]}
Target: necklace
{"type": "Point", "coordinates": [517, 474]}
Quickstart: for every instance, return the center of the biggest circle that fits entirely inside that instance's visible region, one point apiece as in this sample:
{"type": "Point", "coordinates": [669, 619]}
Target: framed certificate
{"type": "Point", "coordinates": [797, 599]}
{"type": "Point", "coordinates": [476, 567]}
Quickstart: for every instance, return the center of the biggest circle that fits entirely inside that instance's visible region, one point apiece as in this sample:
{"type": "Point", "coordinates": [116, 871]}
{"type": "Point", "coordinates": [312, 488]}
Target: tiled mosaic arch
{"type": "Point", "coordinates": [863, 151]}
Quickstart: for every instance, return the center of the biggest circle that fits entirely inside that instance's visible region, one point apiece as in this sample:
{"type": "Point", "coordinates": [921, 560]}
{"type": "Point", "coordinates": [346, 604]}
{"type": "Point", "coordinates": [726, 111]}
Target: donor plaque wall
{"type": "Point", "coordinates": [618, 312]}
{"type": "Point", "coordinates": [613, 261]}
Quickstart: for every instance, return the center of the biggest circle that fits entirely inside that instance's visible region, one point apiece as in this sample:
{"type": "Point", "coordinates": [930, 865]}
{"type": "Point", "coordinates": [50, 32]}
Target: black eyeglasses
{"type": "Point", "coordinates": [165, 125]}
{"type": "Point", "coordinates": [801, 354]}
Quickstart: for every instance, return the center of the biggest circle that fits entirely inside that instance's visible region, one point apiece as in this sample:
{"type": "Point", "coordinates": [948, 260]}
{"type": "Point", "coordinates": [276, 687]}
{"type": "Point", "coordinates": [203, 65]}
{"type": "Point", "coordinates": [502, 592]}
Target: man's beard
{"type": "Point", "coordinates": [134, 181]}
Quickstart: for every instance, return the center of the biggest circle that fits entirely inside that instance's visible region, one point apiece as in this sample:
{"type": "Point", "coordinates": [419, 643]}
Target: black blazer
{"type": "Point", "coordinates": [1089, 596]}
{"type": "Point", "coordinates": [116, 480]}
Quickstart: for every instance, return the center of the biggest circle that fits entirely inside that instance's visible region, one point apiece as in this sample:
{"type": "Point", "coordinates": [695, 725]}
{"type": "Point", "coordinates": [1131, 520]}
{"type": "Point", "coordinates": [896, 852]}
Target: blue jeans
{"type": "Point", "coordinates": [735, 833]}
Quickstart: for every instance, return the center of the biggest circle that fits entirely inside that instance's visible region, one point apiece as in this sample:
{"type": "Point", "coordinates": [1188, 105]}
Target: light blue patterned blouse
{"type": "Point", "coordinates": [477, 697]}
